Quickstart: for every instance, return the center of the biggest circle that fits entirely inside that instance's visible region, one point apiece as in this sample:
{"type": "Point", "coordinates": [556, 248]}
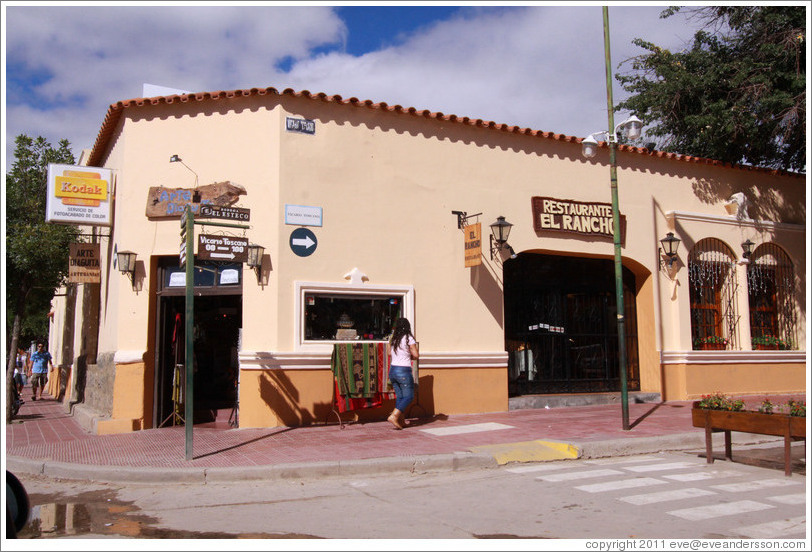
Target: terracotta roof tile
{"type": "Point", "coordinates": [115, 111]}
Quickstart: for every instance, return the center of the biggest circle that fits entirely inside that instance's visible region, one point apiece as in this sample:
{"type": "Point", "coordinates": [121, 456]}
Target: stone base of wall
{"type": "Point", "coordinates": [99, 384]}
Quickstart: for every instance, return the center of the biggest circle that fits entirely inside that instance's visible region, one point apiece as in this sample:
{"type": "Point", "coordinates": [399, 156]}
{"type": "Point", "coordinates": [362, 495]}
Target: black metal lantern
{"type": "Point", "coordinates": [670, 244]}
{"type": "Point", "coordinates": [747, 248]}
{"type": "Point", "coordinates": [501, 230]}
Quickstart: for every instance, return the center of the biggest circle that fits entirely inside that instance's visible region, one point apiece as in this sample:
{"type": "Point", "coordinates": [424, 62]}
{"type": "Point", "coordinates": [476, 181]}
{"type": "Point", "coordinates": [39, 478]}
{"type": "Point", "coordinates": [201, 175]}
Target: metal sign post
{"type": "Point", "coordinates": [188, 231]}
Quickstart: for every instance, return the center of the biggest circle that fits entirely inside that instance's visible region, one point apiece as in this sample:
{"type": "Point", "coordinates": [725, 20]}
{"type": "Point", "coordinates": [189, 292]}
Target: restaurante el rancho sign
{"type": "Point", "coordinates": [578, 217]}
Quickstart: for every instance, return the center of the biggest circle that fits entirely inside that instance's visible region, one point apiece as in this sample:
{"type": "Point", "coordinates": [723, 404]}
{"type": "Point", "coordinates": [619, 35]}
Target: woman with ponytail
{"type": "Point", "coordinates": [403, 350]}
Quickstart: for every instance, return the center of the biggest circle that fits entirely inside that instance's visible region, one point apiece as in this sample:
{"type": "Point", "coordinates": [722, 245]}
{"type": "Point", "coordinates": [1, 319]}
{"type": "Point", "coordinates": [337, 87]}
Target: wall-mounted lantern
{"type": "Point", "coordinates": [255, 253]}
{"type": "Point", "coordinates": [500, 230]}
{"type": "Point", "coordinates": [670, 243]}
{"type": "Point", "coordinates": [126, 264]}
{"type": "Point", "coordinates": [747, 248]}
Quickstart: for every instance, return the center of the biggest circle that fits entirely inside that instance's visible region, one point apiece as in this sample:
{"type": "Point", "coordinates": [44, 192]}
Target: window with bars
{"type": "Point", "coordinates": [712, 282]}
{"type": "Point", "coordinates": [771, 292]}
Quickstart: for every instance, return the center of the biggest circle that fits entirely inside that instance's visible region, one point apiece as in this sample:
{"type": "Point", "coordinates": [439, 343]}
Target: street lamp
{"type": "Point", "coordinates": [196, 194]}
{"type": "Point", "coordinates": [632, 126]}
{"type": "Point", "coordinates": [589, 148]}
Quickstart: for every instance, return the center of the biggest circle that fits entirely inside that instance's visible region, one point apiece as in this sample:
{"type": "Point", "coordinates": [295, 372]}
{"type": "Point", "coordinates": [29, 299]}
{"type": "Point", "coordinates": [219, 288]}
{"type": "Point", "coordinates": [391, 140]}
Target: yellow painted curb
{"type": "Point", "coordinates": [529, 451]}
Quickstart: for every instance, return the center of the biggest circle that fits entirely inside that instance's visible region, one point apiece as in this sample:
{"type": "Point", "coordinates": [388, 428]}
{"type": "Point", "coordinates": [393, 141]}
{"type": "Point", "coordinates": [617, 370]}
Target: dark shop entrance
{"type": "Point", "coordinates": [561, 325]}
{"type": "Point", "coordinates": [217, 323]}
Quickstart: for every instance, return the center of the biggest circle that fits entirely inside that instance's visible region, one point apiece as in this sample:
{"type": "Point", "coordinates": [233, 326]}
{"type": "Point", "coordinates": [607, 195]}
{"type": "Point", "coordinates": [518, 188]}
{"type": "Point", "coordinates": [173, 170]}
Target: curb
{"type": "Point", "coordinates": [454, 462]}
{"type": "Point", "coordinates": [681, 441]}
{"type": "Point", "coordinates": [430, 463]}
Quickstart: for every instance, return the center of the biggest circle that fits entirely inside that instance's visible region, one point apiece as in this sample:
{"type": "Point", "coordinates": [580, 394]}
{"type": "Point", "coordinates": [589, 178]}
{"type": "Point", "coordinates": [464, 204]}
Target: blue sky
{"type": "Point", "coordinates": [537, 65]}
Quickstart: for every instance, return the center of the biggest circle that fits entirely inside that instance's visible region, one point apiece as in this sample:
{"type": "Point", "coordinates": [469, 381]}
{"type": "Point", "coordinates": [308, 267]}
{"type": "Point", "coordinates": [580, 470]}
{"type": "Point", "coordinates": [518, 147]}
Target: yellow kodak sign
{"type": "Point", "coordinates": [81, 185]}
{"type": "Point", "coordinates": [78, 195]}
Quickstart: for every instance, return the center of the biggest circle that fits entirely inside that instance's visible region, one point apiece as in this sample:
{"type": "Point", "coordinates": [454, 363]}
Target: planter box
{"type": "Point", "coordinates": [712, 347]}
{"type": "Point", "coordinates": [760, 347]}
{"type": "Point", "coordinates": [790, 427]}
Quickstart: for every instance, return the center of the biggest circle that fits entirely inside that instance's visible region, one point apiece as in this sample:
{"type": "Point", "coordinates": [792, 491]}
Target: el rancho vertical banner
{"type": "Point", "coordinates": [575, 217]}
{"type": "Point", "coordinates": [84, 263]}
{"type": "Point", "coordinates": [473, 244]}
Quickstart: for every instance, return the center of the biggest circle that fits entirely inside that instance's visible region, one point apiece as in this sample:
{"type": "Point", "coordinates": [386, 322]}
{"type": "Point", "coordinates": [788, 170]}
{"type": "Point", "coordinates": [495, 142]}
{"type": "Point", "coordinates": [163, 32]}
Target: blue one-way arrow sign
{"type": "Point", "coordinates": [303, 242]}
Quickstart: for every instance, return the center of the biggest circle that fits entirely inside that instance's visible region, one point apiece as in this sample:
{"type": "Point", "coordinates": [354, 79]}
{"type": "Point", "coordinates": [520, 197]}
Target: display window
{"type": "Point", "coordinates": [330, 313]}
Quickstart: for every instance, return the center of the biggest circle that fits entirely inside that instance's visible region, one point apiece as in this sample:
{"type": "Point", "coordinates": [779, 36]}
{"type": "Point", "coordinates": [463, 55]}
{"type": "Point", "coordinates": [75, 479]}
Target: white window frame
{"type": "Point", "coordinates": [406, 293]}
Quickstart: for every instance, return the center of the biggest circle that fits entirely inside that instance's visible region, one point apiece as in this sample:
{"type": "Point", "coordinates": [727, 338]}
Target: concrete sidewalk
{"type": "Point", "coordinates": [44, 439]}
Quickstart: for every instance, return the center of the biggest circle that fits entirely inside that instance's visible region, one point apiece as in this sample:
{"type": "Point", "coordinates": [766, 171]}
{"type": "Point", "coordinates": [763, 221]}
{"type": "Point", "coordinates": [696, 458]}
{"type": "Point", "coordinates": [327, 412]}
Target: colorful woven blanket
{"type": "Point", "coordinates": [361, 375]}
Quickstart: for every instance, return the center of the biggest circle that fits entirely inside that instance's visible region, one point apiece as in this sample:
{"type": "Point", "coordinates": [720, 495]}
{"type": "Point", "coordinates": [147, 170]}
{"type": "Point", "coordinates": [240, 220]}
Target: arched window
{"type": "Point", "coordinates": [771, 290]}
{"type": "Point", "coordinates": [712, 282]}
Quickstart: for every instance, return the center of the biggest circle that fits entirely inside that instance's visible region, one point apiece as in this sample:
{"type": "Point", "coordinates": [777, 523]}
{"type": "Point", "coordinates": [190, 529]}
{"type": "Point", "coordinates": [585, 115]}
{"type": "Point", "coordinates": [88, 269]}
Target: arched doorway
{"type": "Point", "coordinates": [561, 325]}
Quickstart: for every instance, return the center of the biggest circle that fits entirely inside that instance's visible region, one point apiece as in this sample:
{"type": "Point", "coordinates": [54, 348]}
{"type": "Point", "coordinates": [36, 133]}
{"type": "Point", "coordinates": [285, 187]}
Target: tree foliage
{"type": "Point", "coordinates": [737, 95]}
{"type": "Point", "coordinates": [36, 251]}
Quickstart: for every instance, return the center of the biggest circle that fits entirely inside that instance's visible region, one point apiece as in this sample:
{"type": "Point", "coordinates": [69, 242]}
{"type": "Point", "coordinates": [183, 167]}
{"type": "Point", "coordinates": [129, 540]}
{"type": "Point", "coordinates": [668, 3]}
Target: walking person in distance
{"type": "Point", "coordinates": [403, 350]}
{"type": "Point", "coordinates": [39, 369]}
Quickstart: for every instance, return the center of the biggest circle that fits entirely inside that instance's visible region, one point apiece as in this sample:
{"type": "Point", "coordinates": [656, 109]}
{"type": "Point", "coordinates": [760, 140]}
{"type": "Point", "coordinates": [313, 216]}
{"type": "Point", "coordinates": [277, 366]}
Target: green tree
{"type": "Point", "coordinates": [36, 251]}
{"type": "Point", "coordinates": [737, 95]}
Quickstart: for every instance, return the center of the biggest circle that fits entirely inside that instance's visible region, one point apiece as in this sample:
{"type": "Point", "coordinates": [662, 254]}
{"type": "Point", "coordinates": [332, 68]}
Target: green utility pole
{"type": "Point", "coordinates": [621, 308]}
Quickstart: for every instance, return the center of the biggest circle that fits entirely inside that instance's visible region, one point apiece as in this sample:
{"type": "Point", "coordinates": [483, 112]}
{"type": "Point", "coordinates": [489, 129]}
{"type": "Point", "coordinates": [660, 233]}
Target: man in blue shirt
{"type": "Point", "coordinates": [39, 369]}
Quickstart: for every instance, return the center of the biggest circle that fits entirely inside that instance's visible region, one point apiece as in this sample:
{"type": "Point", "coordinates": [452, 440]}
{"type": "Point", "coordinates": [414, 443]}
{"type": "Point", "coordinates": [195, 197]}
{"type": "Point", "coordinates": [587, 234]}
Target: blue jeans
{"type": "Point", "coordinates": [403, 383]}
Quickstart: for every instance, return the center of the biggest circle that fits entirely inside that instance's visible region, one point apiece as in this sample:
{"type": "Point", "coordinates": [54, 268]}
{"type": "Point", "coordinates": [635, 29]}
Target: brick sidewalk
{"type": "Point", "coordinates": [43, 431]}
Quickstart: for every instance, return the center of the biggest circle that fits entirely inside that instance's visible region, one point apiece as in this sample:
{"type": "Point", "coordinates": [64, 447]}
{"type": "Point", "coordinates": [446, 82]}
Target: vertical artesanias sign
{"type": "Point", "coordinates": [78, 195]}
{"type": "Point", "coordinates": [473, 244]}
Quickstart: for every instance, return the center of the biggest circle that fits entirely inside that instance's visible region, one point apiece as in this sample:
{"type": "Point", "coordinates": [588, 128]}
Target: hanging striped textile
{"type": "Point", "coordinates": [361, 375]}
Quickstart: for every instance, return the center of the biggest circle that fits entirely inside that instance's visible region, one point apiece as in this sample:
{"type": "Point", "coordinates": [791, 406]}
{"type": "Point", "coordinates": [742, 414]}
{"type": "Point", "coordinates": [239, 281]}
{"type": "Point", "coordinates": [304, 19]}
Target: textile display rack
{"type": "Point", "coordinates": [178, 377]}
{"type": "Point", "coordinates": [177, 397]}
{"type": "Point", "coordinates": [361, 378]}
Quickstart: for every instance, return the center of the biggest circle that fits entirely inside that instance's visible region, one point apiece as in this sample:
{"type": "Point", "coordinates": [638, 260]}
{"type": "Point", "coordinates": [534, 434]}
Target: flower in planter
{"type": "Point", "coordinates": [711, 340]}
{"type": "Point", "coordinates": [766, 407]}
{"type": "Point", "coordinates": [720, 401]}
{"type": "Point", "coordinates": [797, 408]}
{"type": "Point", "coordinates": [771, 341]}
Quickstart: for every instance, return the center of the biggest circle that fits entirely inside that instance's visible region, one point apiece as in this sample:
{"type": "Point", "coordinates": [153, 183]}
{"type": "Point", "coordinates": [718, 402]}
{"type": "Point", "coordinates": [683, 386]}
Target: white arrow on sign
{"type": "Point", "coordinates": [222, 255]}
{"type": "Point", "coordinates": [306, 242]}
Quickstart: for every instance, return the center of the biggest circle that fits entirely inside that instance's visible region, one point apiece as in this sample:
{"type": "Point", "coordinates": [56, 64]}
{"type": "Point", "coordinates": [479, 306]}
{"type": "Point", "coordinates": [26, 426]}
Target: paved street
{"type": "Point", "coordinates": [666, 495]}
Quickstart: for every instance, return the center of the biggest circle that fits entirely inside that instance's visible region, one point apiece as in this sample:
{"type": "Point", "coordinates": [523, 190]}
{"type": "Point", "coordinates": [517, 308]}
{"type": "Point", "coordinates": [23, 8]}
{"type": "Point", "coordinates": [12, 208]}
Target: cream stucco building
{"type": "Point", "coordinates": [381, 184]}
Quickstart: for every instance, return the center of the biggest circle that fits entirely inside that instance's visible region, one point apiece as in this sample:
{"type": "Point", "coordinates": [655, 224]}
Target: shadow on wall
{"type": "Point", "coordinates": [281, 395]}
{"type": "Point", "coordinates": [489, 291]}
{"type": "Point", "coordinates": [278, 391]}
{"type": "Point", "coordinates": [762, 203]}
{"type": "Point", "coordinates": [423, 405]}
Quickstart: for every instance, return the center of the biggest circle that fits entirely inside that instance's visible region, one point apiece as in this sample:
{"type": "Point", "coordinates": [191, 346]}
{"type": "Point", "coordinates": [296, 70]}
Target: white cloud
{"type": "Point", "coordinates": [538, 67]}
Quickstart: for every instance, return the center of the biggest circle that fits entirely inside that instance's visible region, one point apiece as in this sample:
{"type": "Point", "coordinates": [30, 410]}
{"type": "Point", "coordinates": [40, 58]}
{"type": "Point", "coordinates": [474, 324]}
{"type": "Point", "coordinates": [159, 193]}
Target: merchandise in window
{"type": "Point", "coordinates": [338, 317]}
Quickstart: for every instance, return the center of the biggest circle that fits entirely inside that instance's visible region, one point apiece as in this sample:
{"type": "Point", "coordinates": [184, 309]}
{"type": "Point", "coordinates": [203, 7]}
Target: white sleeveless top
{"type": "Point", "coordinates": [401, 356]}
